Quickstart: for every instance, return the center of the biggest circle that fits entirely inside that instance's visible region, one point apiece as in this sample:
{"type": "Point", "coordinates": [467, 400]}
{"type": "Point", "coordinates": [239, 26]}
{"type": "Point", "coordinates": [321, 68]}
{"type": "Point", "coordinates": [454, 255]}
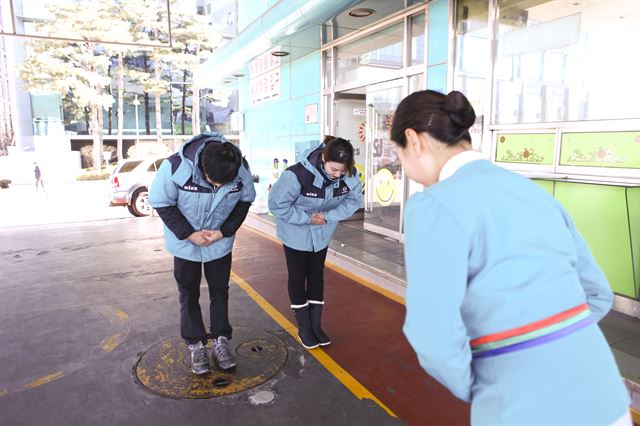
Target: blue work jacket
{"type": "Point", "coordinates": [179, 182]}
{"type": "Point", "coordinates": [302, 190]}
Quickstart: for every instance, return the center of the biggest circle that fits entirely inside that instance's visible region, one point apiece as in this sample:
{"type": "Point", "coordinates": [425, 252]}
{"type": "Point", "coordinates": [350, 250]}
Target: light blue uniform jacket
{"type": "Point", "coordinates": [486, 251]}
{"type": "Point", "coordinates": [199, 203]}
{"type": "Point", "coordinates": [301, 191]}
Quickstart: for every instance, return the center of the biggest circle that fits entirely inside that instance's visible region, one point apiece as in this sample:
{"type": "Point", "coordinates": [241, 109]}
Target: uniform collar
{"type": "Point", "coordinates": [457, 161]}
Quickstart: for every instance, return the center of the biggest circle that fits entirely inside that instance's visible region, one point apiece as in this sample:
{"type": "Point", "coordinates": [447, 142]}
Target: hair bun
{"type": "Point", "coordinates": [459, 109]}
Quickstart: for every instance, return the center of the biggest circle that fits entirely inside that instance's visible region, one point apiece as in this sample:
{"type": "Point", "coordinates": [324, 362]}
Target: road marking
{"type": "Point", "coordinates": [334, 368]}
{"type": "Point", "coordinates": [122, 315]}
{"type": "Point", "coordinates": [344, 272]}
{"type": "Point", "coordinates": [44, 380]}
{"type": "Point", "coordinates": [111, 342]}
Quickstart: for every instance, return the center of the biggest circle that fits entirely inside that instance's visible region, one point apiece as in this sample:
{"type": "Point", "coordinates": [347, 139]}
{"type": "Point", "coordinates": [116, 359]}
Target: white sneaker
{"type": "Point", "coordinates": [222, 353]}
{"type": "Point", "coordinates": [199, 359]}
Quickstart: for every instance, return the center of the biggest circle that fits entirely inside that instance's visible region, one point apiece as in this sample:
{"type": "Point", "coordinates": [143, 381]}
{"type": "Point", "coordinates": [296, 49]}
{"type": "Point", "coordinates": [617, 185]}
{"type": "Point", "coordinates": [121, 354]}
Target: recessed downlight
{"type": "Point", "coordinates": [361, 12]}
{"type": "Point", "coordinates": [279, 53]}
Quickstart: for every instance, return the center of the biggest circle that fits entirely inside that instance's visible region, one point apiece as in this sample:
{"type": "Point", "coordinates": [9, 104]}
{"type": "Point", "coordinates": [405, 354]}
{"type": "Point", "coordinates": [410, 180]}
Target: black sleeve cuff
{"type": "Point", "coordinates": [175, 221]}
{"type": "Point", "coordinates": [235, 219]}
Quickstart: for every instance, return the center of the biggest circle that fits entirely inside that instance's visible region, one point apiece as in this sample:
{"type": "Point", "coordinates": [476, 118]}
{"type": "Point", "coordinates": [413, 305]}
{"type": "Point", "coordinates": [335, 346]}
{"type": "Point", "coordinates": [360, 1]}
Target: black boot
{"type": "Point", "coordinates": [305, 334]}
{"type": "Point", "coordinates": [315, 312]}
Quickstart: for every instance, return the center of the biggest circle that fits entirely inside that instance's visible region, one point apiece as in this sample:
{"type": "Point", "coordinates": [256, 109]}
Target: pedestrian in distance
{"type": "Point", "coordinates": [203, 193]}
{"type": "Point", "coordinates": [503, 294]}
{"type": "Point", "coordinates": [38, 175]}
{"type": "Point", "coordinates": [308, 200]}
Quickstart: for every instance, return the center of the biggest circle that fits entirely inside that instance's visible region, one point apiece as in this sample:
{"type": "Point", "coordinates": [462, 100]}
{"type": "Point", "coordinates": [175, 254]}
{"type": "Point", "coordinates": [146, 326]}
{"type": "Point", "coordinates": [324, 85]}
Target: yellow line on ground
{"type": "Point", "coordinates": [342, 271]}
{"type": "Point", "coordinates": [334, 368]}
{"type": "Point", "coordinates": [635, 416]}
{"type": "Point", "coordinates": [44, 380]}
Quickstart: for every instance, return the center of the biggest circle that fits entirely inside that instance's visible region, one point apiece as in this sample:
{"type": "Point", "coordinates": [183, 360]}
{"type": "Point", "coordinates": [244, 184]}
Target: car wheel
{"type": "Point", "coordinates": [140, 203]}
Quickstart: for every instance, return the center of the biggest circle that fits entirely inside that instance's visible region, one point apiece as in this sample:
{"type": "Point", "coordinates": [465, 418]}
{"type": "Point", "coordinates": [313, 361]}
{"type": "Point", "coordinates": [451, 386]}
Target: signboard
{"type": "Point", "coordinates": [264, 83]}
{"type": "Point", "coordinates": [311, 113]}
{"type": "Point", "coordinates": [236, 120]}
{"type": "Point", "coordinates": [265, 87]}
{"type": "Point", "coordinates": [531, 148]}
{"type": "Point", "coordinates": [601, 149]}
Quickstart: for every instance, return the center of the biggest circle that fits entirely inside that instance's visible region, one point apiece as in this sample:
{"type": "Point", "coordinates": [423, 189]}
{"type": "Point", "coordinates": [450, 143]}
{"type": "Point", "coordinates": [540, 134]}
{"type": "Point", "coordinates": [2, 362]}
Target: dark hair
{"type": "Point", "coordinates": [220, 162]}
{"type": "Point", "coordinates": [340, 151]}
{"type": "Point", "coordinates": [446, 118]}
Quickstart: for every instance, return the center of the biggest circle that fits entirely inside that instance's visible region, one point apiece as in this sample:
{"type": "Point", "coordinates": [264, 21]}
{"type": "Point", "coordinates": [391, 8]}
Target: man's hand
{"type": "Point", "coordinates": [212, 235]}
{"type": "Point", "coordinates": [317, 218]}
{"type": "Point", "coordinates": [199, 238]}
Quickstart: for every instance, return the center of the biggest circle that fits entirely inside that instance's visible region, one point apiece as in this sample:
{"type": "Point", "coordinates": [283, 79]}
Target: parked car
{"type": "Point", "coordinates": [129, 184]}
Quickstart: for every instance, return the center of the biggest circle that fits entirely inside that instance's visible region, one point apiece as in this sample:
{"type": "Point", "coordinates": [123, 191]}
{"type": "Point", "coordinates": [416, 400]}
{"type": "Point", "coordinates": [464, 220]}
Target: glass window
{"type": "Point", "coordinates": [416, 83]}
{"type": "Point", "coordinates": [328, 68]}
{"type": "Point", "coordinates": [566, 61]}
{"type": "Point", "coordinates": [375, 57]}
{"type": "Point", "coordinates": [472, 58]}
{"type": "Point", "coordinates": [417, 39]}
{"type": "Point", "coordinates": [129, 165]}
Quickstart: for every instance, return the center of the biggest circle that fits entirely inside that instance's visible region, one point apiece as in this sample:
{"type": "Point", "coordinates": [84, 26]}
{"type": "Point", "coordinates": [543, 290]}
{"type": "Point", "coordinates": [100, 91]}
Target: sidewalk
{"type": "Point", "coordinates": [380, 260]}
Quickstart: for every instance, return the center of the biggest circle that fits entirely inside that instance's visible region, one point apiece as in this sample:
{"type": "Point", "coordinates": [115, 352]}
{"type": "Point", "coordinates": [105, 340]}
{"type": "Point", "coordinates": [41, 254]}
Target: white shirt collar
{"type": "Point", "coordinates": [457, 161]}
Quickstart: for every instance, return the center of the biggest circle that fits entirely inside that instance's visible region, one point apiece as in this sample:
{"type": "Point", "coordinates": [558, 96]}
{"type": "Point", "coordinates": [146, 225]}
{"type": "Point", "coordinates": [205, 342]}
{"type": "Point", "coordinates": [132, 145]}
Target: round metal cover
{"type": "Point", "coordinates": [165, 369]}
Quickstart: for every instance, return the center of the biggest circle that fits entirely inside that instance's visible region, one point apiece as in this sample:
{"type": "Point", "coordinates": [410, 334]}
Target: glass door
{"type": "Point", "coordinates": [384, 183]}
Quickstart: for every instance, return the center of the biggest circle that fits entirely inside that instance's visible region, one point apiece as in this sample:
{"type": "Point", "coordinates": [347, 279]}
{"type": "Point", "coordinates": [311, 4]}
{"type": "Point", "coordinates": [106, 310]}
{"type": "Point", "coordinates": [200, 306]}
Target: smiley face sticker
{"type": "Point", "coordinates": [384, 187]}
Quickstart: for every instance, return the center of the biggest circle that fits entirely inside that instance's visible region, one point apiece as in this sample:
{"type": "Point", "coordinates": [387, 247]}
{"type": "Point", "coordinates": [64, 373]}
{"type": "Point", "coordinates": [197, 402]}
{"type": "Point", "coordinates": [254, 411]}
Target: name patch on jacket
{"type": "Point", "coordinates": [193, 187]}
{"type": "Point", "coordinates": [236, 188]}
{"type": "Point", "coordinates": [305, 177]}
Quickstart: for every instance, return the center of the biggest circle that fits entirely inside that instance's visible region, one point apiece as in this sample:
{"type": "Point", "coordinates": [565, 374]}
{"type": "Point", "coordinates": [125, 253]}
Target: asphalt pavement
{"type": "Point", "coordinates": [86, 290]}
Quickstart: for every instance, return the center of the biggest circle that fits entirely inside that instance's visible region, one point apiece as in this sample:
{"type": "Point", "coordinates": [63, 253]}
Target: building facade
{"type": "Point", "coordinates": [552, 83]}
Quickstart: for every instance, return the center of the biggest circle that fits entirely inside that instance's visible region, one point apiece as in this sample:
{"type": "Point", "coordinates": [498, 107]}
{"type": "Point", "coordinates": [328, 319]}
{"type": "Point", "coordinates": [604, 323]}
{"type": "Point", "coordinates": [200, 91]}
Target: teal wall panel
{"type": "Point", "coordinates": [438, 32]}
{"type": "Point", "coordinates": [437, 78]}
{"type": "Point", "coordinates": [306, 75]}
{"type": "Point", "coordinates": [273, 128]}
{"type": "Point", "coordinates": [600, 215]}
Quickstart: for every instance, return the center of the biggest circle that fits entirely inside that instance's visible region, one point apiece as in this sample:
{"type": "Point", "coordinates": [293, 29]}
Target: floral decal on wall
{"type": "Point", "coordinates": [527, 155]}
{"type": "Point", "coordinates": [601, 155]}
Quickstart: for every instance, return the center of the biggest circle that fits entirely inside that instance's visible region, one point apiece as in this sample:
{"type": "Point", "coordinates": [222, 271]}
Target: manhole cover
{"type": "Point", "coordinates": [164, 368]}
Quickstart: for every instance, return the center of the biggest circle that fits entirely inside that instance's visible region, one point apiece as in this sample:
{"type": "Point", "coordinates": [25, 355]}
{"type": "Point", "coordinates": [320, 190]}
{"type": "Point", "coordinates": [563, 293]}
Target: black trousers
{"type": "Point", "coordinates": [188, 275]}
{"type": "Point", "coordinates": [305, 267]}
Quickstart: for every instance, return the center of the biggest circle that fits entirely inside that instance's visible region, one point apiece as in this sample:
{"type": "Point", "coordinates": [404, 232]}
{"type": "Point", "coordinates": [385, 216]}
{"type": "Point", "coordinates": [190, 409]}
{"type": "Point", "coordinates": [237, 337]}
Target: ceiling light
{"type": "Point", "coordinates": [362, 12]}
{"type": "Point", "coordinates": [238, 75]}
{"type": "Point", "coordinates": [279, 53]}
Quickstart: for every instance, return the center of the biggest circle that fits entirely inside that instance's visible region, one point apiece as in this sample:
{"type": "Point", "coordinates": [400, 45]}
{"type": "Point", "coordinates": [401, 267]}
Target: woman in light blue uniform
{"type": "Point", "coordinates": [308, 201]}
{"type": "Point", "coordinates": [503, 294]}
